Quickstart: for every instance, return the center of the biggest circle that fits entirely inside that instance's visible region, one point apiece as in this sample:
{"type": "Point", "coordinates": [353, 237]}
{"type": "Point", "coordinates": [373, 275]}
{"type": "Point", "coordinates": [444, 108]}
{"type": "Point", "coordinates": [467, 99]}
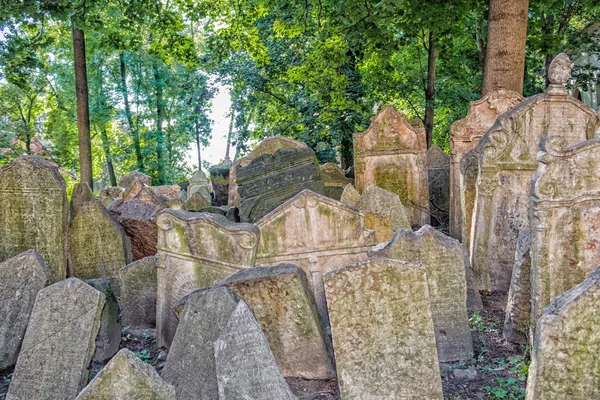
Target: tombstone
{"type": "Point", "coordinates": [564, 362]}
{"type": "Point", "coordinates": [334, 180]}
{"type": "Point", "coordinates": [393, 155]}
{"type": "Point", "coordinates": [233, 214]}
{"type": "Point", "coordinates": [135, 176]}
{"type": "Point", "coordinates": [138, 294]}
{"type": "Point", "coordinates": [438, 175]}
{"type": "Point", "coordinates": [446, 263]}
{"type": "Point", "coordinates": [507, 160]}
{"type": "Point", "coordinates": [469, 169]}
{"type": "Point", "coordinates": [245, 366]}
{"type": "Point", "coordinates": [109, 334]}
{"type": "Point", "coordinates": [98, 245]}
{"type": "Point", "coordinates": [350, 195]}
{"type": "Point", "coordinates": [127, 377]}
{"type": "Point", "coordinates": [565, 218]}
{"type": "Point", "coordinates": [464, 135]}
{"type": "Point", "coordinates": [195, 203]}
{"type": "Point", "coordinates": [172, 192]}
{"type": "Point", "coordinates": [146, 194]}
{"type": "Point", "coordinates": [33, 212]}
{"type": "Point", "coordinates": [219, 177]}
{"type": "Point", "coordinates": [384, 202]}
{"type": "Point", "coordinates": [380, 225]}
{"type": "Point", "coordinates": [21, 277]}
{"type": "Point", "coordinates": [199, 183]}
{"type": "Point", "coordinates": [316, 233]}
{"type": "Point", "coordinates": [81, 194]}
{"type": "Point", "coordinates": [518, 307]}
{"type": "Point", "coordinates": [196, 250]}
{"type": "Point", "coordinates": [109, 195]}
{"type": "Point", "coordinates": [190, 366]}
{"type": "Point", "coordinates": [383, 333]}
{"type": "Point", "coordinates": [285, 308]}
{"type": "Point", "coordinates": [59, 342]}
{"type": "Point", "coordinates": [138, 218]}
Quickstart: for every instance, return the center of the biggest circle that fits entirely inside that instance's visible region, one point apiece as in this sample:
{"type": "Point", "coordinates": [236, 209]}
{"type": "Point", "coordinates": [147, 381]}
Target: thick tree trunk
{"type": "Point", "coordinates": [505, 48]}
{"type": "Point", "coordinates": [160, 156]}
{"type": "Point", "coordinates": [430, 91]}
{"type": "Point", "coordinates": [83, 113]}
{"type": "Point", "coordinates": [108, 157]}
{"type": "Point", "coordinates": [134, 132]}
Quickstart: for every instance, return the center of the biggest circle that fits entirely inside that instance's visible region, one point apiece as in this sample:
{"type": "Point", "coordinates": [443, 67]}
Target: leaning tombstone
{"type": "Point", "coordinates": [109, 334]}
{"type": "Point", "coordinates": [446, 263]}
{"type": "Point", "coordinates": [190, 366]}
{"type": "Point", "coordinates": [81, 194]}
{"type": "Point", "coordinates": [438, 175]}
{"type": "Point", "coordinates": [126, 377]}
{"type": "Point", "coordinates": [138, 218]}
{"type": "Point", "coordinates": [469, 169]}
{"type": "Point", "coordinates": [200, 184]}
{"type": "Point", "coordinates": [384, 349]}
{"type": "Point", "coordinates": [285, 308]}
{"type": "Point", "coordinates": [381, 201]}
{"type": "Point", "coordinates": [21, 278]}
{"type": "Point", "coordinates": [59, 342]}
{"type": "Point", "coordinates": [507, 160]}
{"type": "Point", "coordinates": [135, 176]}
{"type": "Point", "coordinates": [219, 178]}
{"type": "Point", "coordinates": [334, 180]}
{"type": "Point", "coordinates": [138, 294]}
{"type": "Point", "coordinates": [34, 212]}
{"type": "Point", "coordinates": [392, 154]}
{"type": "Point", "coordinates": [245, 366]}
{"type": "Point", "coordinates": [350, 195]}
{"type": "Point", "coordinates": [196, 250]}
{"type": "Point", "coordinates": [196, 202]}
{"type": "Point", "coordinates": [564, 362]}
{"type": "Point", "coordinates": [109, 195]}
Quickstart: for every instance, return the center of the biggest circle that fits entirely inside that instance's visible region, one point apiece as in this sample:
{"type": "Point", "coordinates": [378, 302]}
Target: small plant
{"type": "Point", "coordinates": [506, 388]}
{"type": "Point", "coordinates": [143, 355]}
{"type": "Point", "coordinates": [145, 336]}
{"type": "Point", "coordinates": [479, 324]}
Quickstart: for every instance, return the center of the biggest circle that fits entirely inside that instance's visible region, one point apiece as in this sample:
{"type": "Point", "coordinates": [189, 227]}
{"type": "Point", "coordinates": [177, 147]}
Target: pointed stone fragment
{"type": "Point", "coordinates": [350, 195]}
{"type": "Point", "coordinates": [518, 307]}
{"type": "Point", "coordinates": [384, 202]}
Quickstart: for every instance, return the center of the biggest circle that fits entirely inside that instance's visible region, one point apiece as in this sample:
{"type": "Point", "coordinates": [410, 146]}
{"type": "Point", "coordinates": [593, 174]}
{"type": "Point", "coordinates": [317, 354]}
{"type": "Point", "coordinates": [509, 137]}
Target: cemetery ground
{"type": "Point", "coordinates": [496, 370]}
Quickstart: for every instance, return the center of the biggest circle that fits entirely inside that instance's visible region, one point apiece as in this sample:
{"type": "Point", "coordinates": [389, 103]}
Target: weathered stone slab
{"type": "Point", "coordinates": [518, 307]}
{"type": "Point", "coordinates": [350, 195]}
{"type": "Point", "coordinates": [334, 179]}
{"type": "Point", "coordinates": [438, 175]}
{"type": "Point", "coordinates": [109, 195]}
{"type": "Point", "coordinates": [190, 366]}
{"type": "Point", "coordinates": [219, 178]}
{"type": "Point", "coordinates": [196, 202]}
{"type": "Point", "coordinates": [469, 169]}
{"type": "Point", "coordinates": [384, 202]}
{"type": "Point", "coordinates": [173, 192]}
{"type": "Point", "coordinates": [98, 245]}
{"type": "Point", "coordinates": [507, 160]}
{"type": "Point", "coordinates": [81, 194]}
{"type": "Point", "coordinates": [21, 278]}
{"type": "Point", "coordinates": [380, 225]}
{"type": "Point", "coordinates": [138, 294]}
{"type": "Point", "coordinates": [145, 193]}
{"type": "Point", "coordinates": [126, 377]}
{"type": "Point", "coordinates": [200, 184]}
{"type": "Point", "coordinates": [564, 362]}
{"type": "Point", "coordinates": [196, 250]}
{"type": "Point", "coordinates": [464, 136]}
{"type": "Point", "coordinates": [382, 330]}
{"type": "Point", "coordinates": [59, 342]}
{"type": "Point", "coordinates": [138, 218]}
{"type": "Point", "coordinates": [393, 155]}
{"type": "Point", "coordinates": [109, 334]}
{"type": "Point", "coordinates": [285, 308]}
{"type": "Point", "coordinates": [565, 218]}
{"type": "Point", "coordinates": [135, 176]}
{"type": "Point", "coordinates": [446, 263]}
{"type": "Point", "coordinates": [316, 233]}
{"type": "Point", "coordinates": [33, 212]}
{"type": "Point", "coordinates": [246, 368]}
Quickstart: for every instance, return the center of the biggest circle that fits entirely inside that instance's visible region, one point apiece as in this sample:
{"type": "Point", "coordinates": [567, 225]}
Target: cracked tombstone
{"type": "Point", "coordinates": [138, 294]}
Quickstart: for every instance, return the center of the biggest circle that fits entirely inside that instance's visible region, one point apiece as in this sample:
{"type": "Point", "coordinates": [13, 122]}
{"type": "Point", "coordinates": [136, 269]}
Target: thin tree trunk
{"type": "Point", "coordinates": [83, 113]}
{"type": "Point", "coordinates": [430, 91]}
{"type": "Point", "coordinates": [134, 131]}
{"type": "Point", "coordinates": [231, 122]}
{"type": "Point", "coordinates": [198, 143]}
{"type": "Point", "coordinates": [108, 156]}
{"type": "Point", "coordinates": [480, 45]}
{"type": "Point", "coordinates": [160, 156]}
{"type": "Point", "coordinates": [505, 48]}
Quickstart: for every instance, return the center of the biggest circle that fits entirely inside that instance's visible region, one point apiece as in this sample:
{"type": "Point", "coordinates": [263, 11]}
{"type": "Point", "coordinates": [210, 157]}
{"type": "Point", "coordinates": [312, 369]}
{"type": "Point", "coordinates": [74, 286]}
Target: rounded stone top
{"type": "Point", "coordinates": [560, 70]}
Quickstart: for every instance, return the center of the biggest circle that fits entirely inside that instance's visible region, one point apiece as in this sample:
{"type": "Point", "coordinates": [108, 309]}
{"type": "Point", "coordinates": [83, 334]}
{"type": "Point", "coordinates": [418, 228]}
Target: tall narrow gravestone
{"type": "Point", "coordinates": [33, 212]}
{"type": "Point", "coordinates": [507, 160]}
{"type": "Point", "coordinates": [393, 155]}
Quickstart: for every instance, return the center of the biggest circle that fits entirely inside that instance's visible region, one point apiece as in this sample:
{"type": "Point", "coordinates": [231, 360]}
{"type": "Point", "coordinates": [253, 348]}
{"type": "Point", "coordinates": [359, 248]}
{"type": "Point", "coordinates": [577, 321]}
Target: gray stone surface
{"type": "Point", "coordinates": [246, 368]}
{"type": "Point", "coordinates": [135, 176]}
{"type": "Point", "coordinates": [382, 330]}
{"type": "Point", "coordinates": [81, 194]}
{"type": "Point", "coordinates": [564, 362]}
{"type": "Point", "coordinates": [59, 342]}
{"type": "Point", "coordinates": [126, 377]}
{"type": "Point", "coordinates": [196, 202]}
{"type": "Point", "coordinates": [518, 307]}
{"type": "Point", "coordinates": [334, 180]}
{"type": "Point", "coordinates": [350, 195]}
{"type": "Point", "coordinates": [438, 173]}
{"type": "Point", "coordinates": [138, 294]}
{"type": "Point", "coordinates": [109, 334]}
{"type": "Point", "coordinates": [384, 202]}
{"type": "Point", "coordinates": [34, 212]}
{"type": "Point", "coordinates": [219, 178]}
{"type": "Point", "coordinates": [21, 277]}
{"type": "Point", "coordinates": [190, 366]}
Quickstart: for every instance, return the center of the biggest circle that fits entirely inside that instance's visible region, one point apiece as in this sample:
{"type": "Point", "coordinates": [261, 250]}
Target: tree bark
{"type": "Point", "coordinates": [160, 157]}
{"type": "Point", "coordinates": [430, 91]}
{"type": "Point", "coordinates": [108, 157]}
{"type": "Point", "coordinates": [231, 122]}
{"type": "Point", "coordinates": [134, 131]}
{"type": "Point", "coordinates": [83, 113]}
{"type": "Point", "coordinates": [505, 48]}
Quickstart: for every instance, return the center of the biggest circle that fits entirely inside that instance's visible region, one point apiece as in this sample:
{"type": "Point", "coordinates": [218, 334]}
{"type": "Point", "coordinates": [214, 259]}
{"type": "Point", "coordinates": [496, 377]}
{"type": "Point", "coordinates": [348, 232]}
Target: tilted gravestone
{"type": "Point", "coordinates": [438, 175]}
{"type": "Point", "coordinates": [190, 366]}
{"type": "Point", "coordinates": [33, 212]}
{"type": "Point", "coordinates": [464, 136]}
{"type": "Point", "coordinates": [564, 362]}
{"type": "Point", "coordinates": [350, 195]}
{"type": "Point", "coordinates": [381, 201]}
{"type": "Point", "coordinates": [135, 176]}
{"type": "Point", "coordinates": [334, 180]}
{"type": "Point", "coordinates": [126, 377]}
{"type": "Point", "coordinates": [245, 366]}
{"type": "Point", "coordinates": [565, 218]}
{"type": "Point", "coordinates": [469, 169]}
{"type": "Point", "coordinates": [393, 155]}
{"type": "Point", "coordinates": [316, 233]}
{"type": "Point", "coordinates": [285, 308]}
{"type": "Point", "coordinates": [138, 294]}
{"type": "Point", "coordinates": [219, 178]}
{"type": "Point", "coordinates": [507, 160]}
{"type": "Point", "coordinates": [383, 333]}
{"type": "Point", "coordinates": [196, 250]}
{"type": "Point", "coordinates": [446, 263]}
{"type": "Point", "coordinates": [109, 334]}
{"type": "Point", "coordinates": [59, 342]}
{"type": "Point", "coordinates": [21, 278]}
{"type": "Point", "coordinates": [200, 184]}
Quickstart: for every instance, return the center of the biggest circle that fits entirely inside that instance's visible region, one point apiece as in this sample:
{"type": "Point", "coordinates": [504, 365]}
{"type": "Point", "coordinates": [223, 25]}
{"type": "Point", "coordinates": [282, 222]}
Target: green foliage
{"type": "Point", "coordinates": [144, 356]}
{"type": "Point", "coordinates": [506, 388]}
{"type": "Point", "coordinates": [480, 324]}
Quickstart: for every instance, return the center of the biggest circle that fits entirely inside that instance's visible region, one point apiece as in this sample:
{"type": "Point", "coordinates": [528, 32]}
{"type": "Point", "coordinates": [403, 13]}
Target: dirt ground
{"type": "Point", "coordinates": [497, 370]}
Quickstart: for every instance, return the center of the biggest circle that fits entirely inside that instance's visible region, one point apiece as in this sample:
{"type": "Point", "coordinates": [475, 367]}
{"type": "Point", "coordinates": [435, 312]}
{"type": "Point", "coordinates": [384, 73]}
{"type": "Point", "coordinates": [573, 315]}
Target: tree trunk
{"type": "Point", "coordinates": [83, 113]}
{"type": "Point", "coordinates": [430, 91]}
{"type": "Point", "coordinates": [231, 122]}
{"type": "Point", "coordinates": [108, 156]}
{"type": "Point", "coordinates": [480, 46]}
{"type": "Point", "coordinates": [505, 48]}
{"type": "Point", "coordinates": [198, 143]}
{"type": "Point", "coordinates": [160, 157]}
{"type": "Point", "coordinates": [134, 132]}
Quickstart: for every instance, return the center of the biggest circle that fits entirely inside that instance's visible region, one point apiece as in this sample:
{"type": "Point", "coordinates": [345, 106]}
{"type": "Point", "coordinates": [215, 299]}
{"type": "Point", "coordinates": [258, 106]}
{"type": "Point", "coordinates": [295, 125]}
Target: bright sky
{"type": "Point", "coordinates": [215, 151]}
